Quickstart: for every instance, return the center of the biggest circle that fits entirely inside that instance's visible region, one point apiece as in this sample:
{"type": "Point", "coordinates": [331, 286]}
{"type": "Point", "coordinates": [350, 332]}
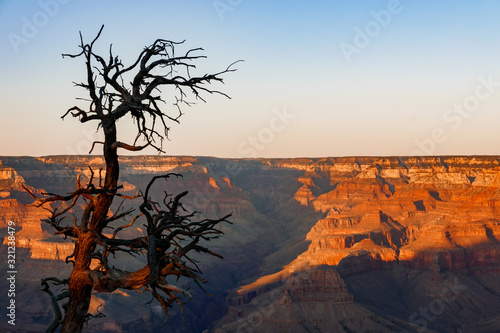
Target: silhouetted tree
{"type": "Point", "coordinates": [171, 232]}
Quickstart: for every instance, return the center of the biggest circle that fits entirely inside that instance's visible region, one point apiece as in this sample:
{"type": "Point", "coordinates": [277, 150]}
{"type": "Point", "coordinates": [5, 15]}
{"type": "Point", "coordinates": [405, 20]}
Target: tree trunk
{"type": "Point", "coordinates": [80, 284]}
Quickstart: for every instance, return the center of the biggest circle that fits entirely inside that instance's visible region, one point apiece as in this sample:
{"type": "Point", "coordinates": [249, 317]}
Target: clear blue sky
{"type": "Point", "coordinates": [320, 78]}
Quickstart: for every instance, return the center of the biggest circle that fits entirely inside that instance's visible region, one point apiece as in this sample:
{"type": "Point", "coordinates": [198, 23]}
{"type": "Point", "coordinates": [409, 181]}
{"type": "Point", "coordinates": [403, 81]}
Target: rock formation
{"type": "Point", "coordinates": [353, 244]}
{"type": "Point", "coordinates": [434, 219]}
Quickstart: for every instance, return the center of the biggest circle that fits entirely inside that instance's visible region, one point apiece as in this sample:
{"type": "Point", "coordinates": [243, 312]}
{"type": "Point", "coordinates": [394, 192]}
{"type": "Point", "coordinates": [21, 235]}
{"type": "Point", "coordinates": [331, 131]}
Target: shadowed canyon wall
{"type": "Point", "coordinates": [349, 244]}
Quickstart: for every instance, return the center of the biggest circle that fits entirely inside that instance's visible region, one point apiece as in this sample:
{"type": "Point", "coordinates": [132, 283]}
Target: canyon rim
{"type": "Point", "coordinates": [351, 244]}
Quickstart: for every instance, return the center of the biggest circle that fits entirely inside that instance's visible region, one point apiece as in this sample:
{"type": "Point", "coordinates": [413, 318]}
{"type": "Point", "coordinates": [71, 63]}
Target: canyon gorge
{"type": "Point", "coordinates": [346, 244]}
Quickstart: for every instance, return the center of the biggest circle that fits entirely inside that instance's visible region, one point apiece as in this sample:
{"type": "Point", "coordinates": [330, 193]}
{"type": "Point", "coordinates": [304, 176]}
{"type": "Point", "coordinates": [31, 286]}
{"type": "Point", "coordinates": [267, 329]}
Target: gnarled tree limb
{"type": "Point", "coordinates": [171, 234]}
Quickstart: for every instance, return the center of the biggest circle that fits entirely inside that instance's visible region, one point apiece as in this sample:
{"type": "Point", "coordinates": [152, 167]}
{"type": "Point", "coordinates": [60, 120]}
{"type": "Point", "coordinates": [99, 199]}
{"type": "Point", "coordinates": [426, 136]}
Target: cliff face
{"type": "Point", "coordinates": [401, 210]}
{"type": "Point", "coordinates": [316, 300]}
{"type": "Point", "coordinates": [217, 187]}
{"type": "Point", "coordinates": [430, 218]}
{"type": "Point", "coordinates": [13, 208]}
{"type": "Point", "coordinates": [334, 244]}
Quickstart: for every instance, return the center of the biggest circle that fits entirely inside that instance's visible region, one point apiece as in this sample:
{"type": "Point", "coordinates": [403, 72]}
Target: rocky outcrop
{"type": "Point", "coordinates": [330, 244]}
{"type": "Point", "coordinates": [51, 250]}
{"type": "Point", "coordinates": [316, 285]}
{"type": "Point", "coordinates": [413, 215]}
{"type": "Point", "coordinates": [315, 300]}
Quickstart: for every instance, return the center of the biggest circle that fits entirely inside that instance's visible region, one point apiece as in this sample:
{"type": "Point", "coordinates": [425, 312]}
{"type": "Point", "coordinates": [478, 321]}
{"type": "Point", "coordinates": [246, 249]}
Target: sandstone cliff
{"type": "Point", "coordinates": [333, 244]}
{"type": "Point", "coordinates": [419, 216]}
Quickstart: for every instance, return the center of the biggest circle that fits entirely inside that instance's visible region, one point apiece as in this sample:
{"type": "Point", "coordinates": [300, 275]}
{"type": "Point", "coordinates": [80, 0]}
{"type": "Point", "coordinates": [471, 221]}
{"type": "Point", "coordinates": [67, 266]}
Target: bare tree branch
{"type": "Point", "coordinates": [171, 231]}
{"type": "Point", "coordinates": [54, 299]}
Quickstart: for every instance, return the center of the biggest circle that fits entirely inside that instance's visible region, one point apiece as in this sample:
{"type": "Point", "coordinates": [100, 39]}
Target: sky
{"type": "Point", "coordinates": [319, 78]}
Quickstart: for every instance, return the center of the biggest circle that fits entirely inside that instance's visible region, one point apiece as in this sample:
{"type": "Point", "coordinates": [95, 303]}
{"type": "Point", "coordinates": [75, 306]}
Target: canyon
{"type": "Point", "coordinates": [347, 244]}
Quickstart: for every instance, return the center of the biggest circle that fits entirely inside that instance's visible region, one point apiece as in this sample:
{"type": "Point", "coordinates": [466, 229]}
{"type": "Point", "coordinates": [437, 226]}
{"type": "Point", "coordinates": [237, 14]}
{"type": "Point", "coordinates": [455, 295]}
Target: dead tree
{"type": "Point", "coordinates": [172, 233]}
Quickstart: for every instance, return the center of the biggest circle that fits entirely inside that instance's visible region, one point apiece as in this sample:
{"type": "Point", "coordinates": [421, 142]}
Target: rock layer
{"type": "Point", "coordinates": [334, 244]}
{"type": "Point", "coordinates": [419, 216]}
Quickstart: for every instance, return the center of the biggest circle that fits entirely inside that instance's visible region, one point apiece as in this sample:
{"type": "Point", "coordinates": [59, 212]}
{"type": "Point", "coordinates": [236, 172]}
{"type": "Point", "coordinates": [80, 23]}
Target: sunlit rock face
{"type": "Point", "coordinates": [416, 222]}
{"type": "Point", "coordinates": [354, 244]}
